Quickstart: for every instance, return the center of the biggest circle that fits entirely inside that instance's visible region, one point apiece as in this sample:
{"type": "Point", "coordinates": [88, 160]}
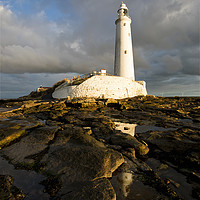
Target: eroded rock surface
{"type": "Point", "coordinates": [128, 141]}
{"type": "Point", "coordinates": [76, 145]}
{"type": "Point", "coordinates": [97, 189]}
{"type": "Point", "coordinates": [35, 142]}
{"type": "Point", "coordinates": [8, 190]}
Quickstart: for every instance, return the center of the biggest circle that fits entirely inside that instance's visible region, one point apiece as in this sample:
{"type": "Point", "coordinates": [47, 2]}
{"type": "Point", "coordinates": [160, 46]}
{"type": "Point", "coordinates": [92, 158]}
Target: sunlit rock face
{"type": "Point", "coordinates": [103, 87]}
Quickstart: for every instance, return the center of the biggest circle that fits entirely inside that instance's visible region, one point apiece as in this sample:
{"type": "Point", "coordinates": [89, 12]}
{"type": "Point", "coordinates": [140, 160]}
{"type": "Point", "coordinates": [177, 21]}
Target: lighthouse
{"type": "Point", "coordinates": [124, 65]}
{"type": "Point", "coordinates": [102, 85]}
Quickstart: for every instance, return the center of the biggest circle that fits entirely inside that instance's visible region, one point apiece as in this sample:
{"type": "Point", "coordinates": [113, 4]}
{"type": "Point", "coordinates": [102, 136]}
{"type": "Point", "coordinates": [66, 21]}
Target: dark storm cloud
{"type": "Point", "coordinates": [85, 36]}
{"type": "Point", "coordinates": [165, 38]}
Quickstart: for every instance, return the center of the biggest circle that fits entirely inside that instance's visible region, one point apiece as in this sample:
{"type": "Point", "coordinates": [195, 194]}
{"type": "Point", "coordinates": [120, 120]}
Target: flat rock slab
{"type": "Point", "coordinates": [80, 157]}
{"type": "Point", "coordinates": [97, 189]}
{"type": "Point", "coordinates": [34, 143]}
{"type": "Point", "coordinates": [10, 130]}
{"type": "Point", "coordinates": [182, 140]}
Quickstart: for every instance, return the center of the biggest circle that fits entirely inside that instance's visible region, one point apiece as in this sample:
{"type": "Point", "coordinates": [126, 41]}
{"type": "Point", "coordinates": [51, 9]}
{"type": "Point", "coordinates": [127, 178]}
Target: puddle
{"type": "Point", "coordinates": [186, 120]}
{"type": "Point", "coordinates": [27, 181]}
{"type": "Point", "coordinates": [132, 129]}
{"type": "Point", "coordinates": [126, 128]}
{"type": "Point", "coordinates": [178, 181]}
{"type": "Point", "coordinates": [127, 188]}
{"type": "Point", "coordinates": [145, 128]}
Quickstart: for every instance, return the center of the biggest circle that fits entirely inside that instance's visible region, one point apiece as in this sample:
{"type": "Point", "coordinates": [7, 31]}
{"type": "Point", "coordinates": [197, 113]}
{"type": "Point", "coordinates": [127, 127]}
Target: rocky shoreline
{"type": "Point", "coordinates": [79, 148]}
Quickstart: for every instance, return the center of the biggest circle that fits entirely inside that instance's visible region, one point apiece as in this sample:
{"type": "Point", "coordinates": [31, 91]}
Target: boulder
{"type": "Point", "coordinates": [129, 152]}
{"type": "Point", "coordinates": [128, 141]}
{"type": "Point", "coordinates": [79, 157]}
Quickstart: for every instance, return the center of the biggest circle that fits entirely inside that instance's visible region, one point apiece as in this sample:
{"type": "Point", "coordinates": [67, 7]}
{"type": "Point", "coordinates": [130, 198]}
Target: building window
{"type": "Point", "coordinates": [124, 24]}
{"type": "Point", "coordinates": [129, 34]}
{"type": "Point", "coordinates": [125, 51]}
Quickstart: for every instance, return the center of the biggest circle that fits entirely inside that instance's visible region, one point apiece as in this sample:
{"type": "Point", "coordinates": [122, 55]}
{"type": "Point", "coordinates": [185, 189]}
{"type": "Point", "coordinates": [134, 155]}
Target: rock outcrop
{"type": "Point", "coordinates": [76, 145]}
{"type": "Point", "coordinates": [8, 190]}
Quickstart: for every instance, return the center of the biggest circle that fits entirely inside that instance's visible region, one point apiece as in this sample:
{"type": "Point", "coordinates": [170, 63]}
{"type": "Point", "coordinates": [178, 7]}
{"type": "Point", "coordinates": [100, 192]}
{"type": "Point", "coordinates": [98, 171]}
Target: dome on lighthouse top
{"type": "Point", "coordinates": [123, 10]}
{"type": "Point", "coordinates": [123, 6]}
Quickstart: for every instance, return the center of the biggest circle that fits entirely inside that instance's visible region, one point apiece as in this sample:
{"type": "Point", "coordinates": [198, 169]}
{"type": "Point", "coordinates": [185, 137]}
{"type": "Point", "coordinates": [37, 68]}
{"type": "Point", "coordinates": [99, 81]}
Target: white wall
{"type": "Point", "coordinates": [103, 86]}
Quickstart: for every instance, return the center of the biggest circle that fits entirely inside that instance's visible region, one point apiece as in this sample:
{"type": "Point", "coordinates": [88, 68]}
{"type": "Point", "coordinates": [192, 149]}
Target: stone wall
{"type": "Point", "coordinates": [103, 86]}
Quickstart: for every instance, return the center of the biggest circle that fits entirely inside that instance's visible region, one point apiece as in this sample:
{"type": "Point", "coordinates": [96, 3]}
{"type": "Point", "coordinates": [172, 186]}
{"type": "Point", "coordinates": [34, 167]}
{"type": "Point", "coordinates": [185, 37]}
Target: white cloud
{"type": "Point", "coordinates": [38, 45]}
{"type": "Point", "coordinates": [165, 38]}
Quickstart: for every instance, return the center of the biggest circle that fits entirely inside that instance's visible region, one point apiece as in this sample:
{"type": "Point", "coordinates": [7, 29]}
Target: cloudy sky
{"type": "Point", "coordinates": [44, 41]}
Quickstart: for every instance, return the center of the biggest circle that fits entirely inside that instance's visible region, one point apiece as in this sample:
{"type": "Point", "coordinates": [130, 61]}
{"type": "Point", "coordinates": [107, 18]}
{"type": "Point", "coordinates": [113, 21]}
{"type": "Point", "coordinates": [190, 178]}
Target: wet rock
{"type": "Point", "coordinates": [45, 106]}
{"type": "Point", "coordinates": [196, 192]}
{"type": "Point", "coordinates": [131, 151]}
{"type": "Point", "coordinates": [58, 105]}
{"type": "Point", "coordinates": [128, 141]}
{"type": "Point", "coordinates": [82, 103]}
{"type": "Point", "coordinates": [14, 129]}
{"type": "Point", "coordinates": [177, 146]}
{"type": "Point", "coordinates": [111, 100]}
{"type": "Point", "coordinates": [177, 185]}
{"type": "Point", "coordinates": [154, 180]}
{"type": "Point", "coordinates": [52, 185]}
{"type": "Point", "coordinates": [163, 167]}
{"type": "Point", "coordinates": [194, 176]}
{"type": "Point", "coordinates": [82, 100]}
{"type": "Point", "coordinates": [53, 123]}
{"type": "Point", "coordinates": [70, 119]}
{"type": "Point", "coordinates": [34, 143]}
{"type": "Point", "coordinates": [112, 103]}
{"type": "Point", "coordinates": [30, 103]}
{"type": "Point", "coordinates": [89, 105]}
{"type": "Point", "coordinates": [115, 147]}
{"type": "Point", "coordinates": [141, 166]}
{"type": "Point", "coordinates": [79, 157]}
{"type": "Point", "coordinates": [8, 190]}
{"type": "Point", "coordinates": [168, 141]}
{"type": "Point", "coordinates": [129, 155]}
{"type": "Point", "coordinates": [87, 130]}
{"type": "Point", "coordinates": [100, 103]}
{"type": "Point", "coordinates": [100, 189]}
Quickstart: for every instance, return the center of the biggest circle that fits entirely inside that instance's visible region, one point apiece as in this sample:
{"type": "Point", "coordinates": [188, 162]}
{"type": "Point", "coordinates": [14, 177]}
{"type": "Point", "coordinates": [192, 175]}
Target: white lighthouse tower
{"type": "Point", "coordinates": [120, 86]}
{"type": "Point", "coordinates": [124, 65]}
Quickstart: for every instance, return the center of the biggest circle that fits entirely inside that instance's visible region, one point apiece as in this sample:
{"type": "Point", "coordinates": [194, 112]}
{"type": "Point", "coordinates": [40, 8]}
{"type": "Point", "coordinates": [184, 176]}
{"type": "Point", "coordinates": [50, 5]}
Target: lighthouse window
{"type": "Point", "coordinates": [129, 34]}
{"type": "Point", "coordinates": [124, 24]}
{"type": "Point", "coordinates": [125, 12]}
{"type": "Point", "coordinates": [125, 52]}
